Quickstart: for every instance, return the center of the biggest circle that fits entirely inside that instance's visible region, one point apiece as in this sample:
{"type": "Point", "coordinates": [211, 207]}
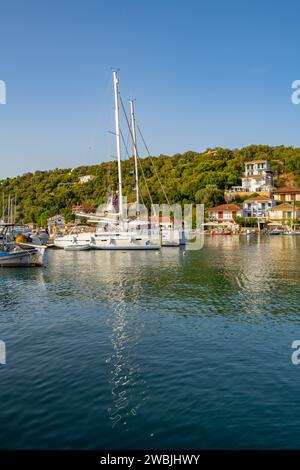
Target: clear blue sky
{"type": "Point", "coordinates": [204, 74]}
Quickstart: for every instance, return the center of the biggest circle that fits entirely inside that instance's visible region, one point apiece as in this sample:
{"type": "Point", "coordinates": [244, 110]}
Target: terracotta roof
{"type": "Point", "coordinates": [257, 161]}
{"type": "Point", "coordinates": [287, 190]}
{"type": "Point", "coordinates": [225, 207]}
{"type": "Point", "coordinates": [282, 207]}
{"type": "Point", "coordinates": [258, 199]}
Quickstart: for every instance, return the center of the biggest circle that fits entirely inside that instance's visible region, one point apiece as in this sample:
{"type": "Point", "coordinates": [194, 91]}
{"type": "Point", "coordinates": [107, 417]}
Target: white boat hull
{"type": "Point", "coordinates": [77, 247]}
{"type": "Point", "coordinates": [107, 241]}
{"type": "Point", "coordinates": [127, 241]}
{"type": "Point", "coordinates": [170, 237]}
{"type": "Point", "coordinates": [22, 258]}
{"type": "Point", "coordinates": [81, 239]}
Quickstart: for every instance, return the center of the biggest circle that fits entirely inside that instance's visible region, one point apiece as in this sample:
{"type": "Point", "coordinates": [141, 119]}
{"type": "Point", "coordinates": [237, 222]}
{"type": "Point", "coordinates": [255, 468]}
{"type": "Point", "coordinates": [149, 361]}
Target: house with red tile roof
{"type": "Point", "coordinates": [225, 213]}
{"type": "Point", "coordinates": [287, 194]}
{"type": "Point", "coordinates": [284, 212]}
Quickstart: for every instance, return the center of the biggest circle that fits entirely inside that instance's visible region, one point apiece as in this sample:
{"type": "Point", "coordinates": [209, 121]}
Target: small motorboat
{"type": "Point", "coordinates": [14, 254]}
{"type": "Point", "coordinates": [20, 256]}
{"type": "Point", "coordinates": [77, 247]}
{"type": "Point", "coordinates": [276, 231]}
{"type": "Point", "coordinates": [292, 233]}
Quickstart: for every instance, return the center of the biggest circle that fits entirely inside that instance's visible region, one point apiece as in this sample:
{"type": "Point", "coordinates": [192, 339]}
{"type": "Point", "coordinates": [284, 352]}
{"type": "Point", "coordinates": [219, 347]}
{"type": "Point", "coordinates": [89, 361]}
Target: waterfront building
{"type": "Point", "coordinates": [225, 213]}
{"type": "Point", "coordinates": [284, 212]}
{"type": "Point", "coordinates": [287, 194]}
{"type": "Point", "coordinates": [257, 206]}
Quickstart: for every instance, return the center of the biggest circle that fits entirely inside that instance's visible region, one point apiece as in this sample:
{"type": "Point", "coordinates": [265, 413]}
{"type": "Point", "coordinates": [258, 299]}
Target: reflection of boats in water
{"type": "Point", "coordinates": [14, 253]}
{"type": "Point", "coordinates": [118, 287]}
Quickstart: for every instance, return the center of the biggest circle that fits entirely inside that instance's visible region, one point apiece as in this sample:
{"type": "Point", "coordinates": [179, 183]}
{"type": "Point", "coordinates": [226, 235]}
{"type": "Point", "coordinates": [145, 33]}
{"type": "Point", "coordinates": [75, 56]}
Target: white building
{"type": "Point", "coordinates": [257, 206]}
{"type": "Point", "coordinates": [257, 177]}
{"type": "Point", "coordinates": [85, 179]}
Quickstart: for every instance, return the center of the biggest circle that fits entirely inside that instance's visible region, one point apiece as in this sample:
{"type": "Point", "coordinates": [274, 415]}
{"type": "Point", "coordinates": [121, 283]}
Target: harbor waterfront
{"type": "Point", "coordinates": [153, 350]}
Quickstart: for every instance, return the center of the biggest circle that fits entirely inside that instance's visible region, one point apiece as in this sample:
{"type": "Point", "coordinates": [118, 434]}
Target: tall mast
{"type": "Point", "coordinates": [3, 206]}
{"type": "Point", "coordinates": [15, 209]}
{"type": "Point", "coordinates": [8, 209]}
{"type": "Point", "coordinates": [133, 130]}
{"type": "Point", "coordinates": [118, 142]}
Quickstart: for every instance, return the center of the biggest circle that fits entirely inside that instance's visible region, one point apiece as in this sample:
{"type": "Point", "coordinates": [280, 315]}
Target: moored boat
{"type": "Point", "coordinates": [123, 241]}
{"type": "Point", "coordinates": [113, 231]}
{"type": "Point", "coordinates": [292, 233]}
{"type": "Point", "coordinates": [77, 247]}
{"type": "Point", "coordinates": [19, 256]}
{"type": "Point", "coordinates": [276, 231]}
{"type": "Point", "coordinates": [72, 239]}
{"type": "Point", "coordinates": [13, 254]}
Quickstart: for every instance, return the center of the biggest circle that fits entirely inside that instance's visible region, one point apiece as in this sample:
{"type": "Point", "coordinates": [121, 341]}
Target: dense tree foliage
{"type": "Point", "coordinates": [187, 177]}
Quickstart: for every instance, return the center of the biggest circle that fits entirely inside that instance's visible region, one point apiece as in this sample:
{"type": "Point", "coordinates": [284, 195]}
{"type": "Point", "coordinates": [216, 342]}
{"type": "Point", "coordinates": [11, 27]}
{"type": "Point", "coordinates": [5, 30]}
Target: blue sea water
{"type": "Point", "coordinates": [169, 350]}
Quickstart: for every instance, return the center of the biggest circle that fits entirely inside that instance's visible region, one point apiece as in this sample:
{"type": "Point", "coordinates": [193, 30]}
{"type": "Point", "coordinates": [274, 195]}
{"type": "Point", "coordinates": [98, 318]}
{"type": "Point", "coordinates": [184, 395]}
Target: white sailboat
{"type": "Point", "coordinates": [169, 235]}
{"type": "Point", "coordinates": [121, 234]}
{"type": "Point", "coordinates": [113, 231]}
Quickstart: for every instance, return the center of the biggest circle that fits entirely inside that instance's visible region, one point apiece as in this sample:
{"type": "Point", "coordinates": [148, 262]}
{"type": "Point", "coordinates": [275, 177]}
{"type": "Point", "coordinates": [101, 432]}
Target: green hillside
{"type": "Point", "coordinates": [188, 177]}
